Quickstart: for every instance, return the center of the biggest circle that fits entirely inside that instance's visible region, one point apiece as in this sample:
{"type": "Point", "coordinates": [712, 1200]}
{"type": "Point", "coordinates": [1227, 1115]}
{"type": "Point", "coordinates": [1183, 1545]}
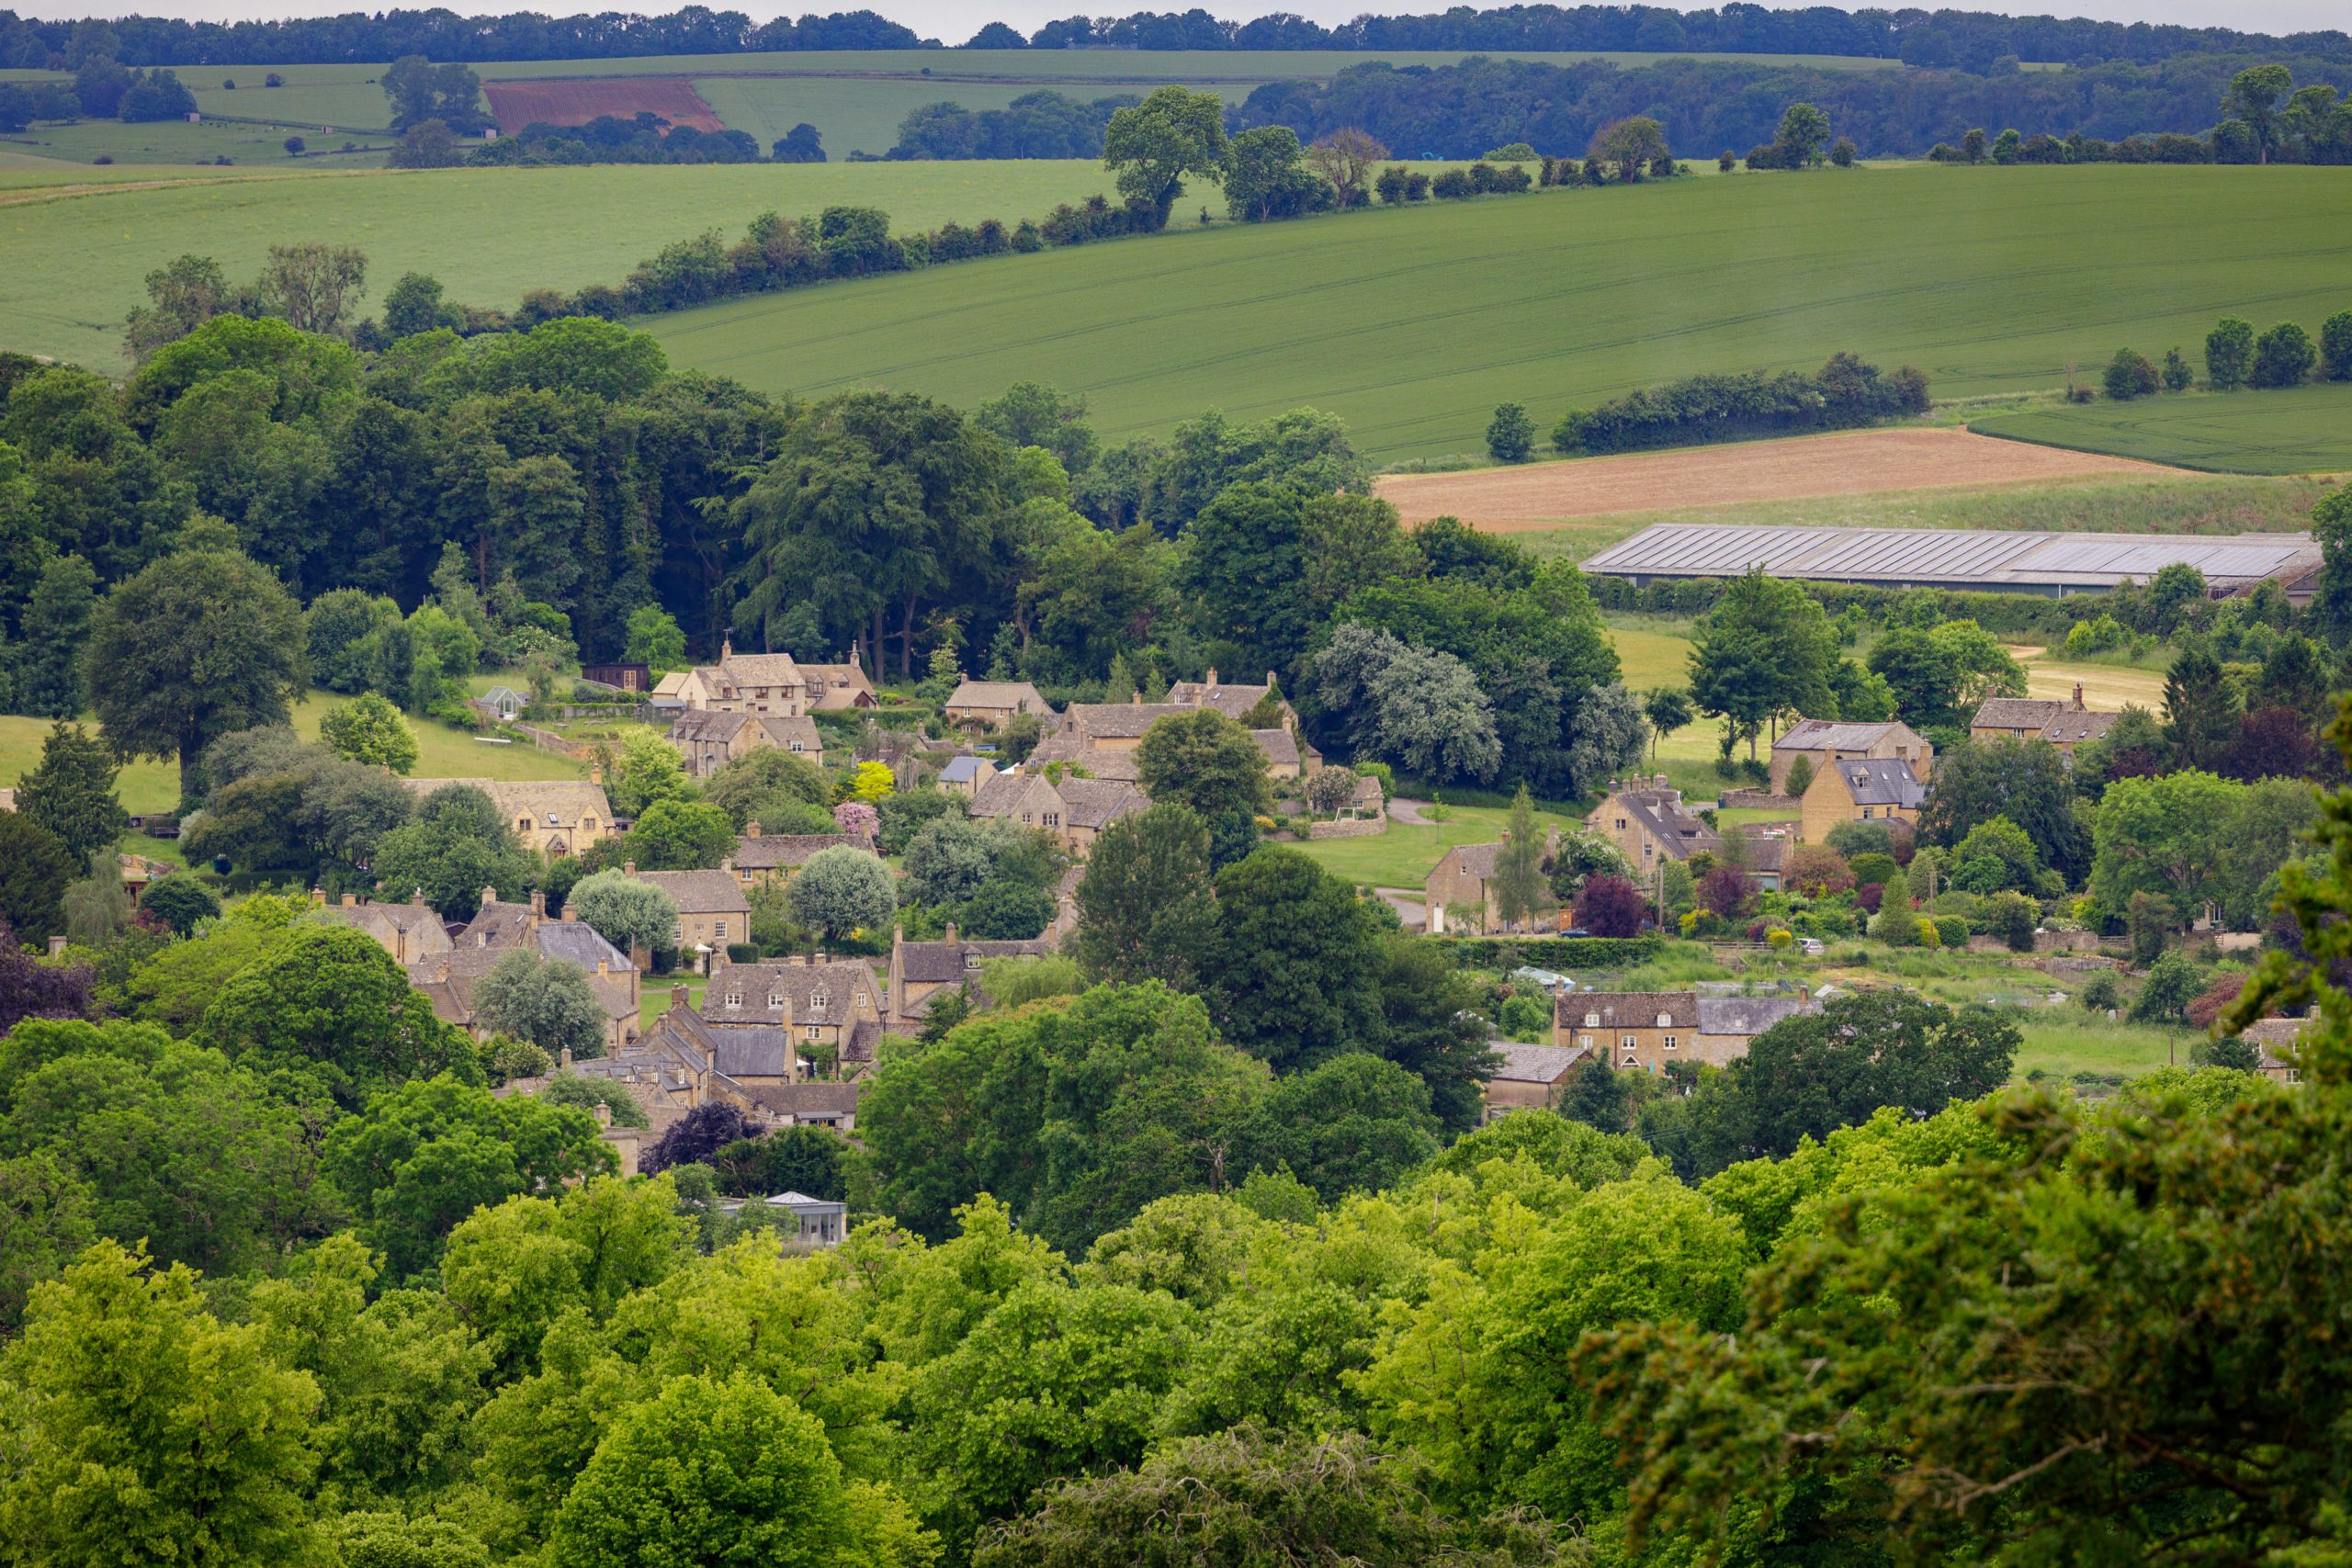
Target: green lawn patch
{"type": "Point", "coordinates": [1404, 854]}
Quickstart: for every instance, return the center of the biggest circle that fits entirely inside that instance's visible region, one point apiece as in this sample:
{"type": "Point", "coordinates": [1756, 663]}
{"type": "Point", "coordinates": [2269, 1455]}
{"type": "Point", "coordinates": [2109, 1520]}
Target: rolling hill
{"type": "Point", "coordinates": [1413, 324]}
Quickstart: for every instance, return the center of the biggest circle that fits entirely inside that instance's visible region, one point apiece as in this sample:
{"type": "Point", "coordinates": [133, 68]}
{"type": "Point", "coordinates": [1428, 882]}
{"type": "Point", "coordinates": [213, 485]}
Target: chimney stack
{"type": "Point", "coordinates": [571, 911]}
{"type": "Point", "coordinates": [604, 1115]}
{"type": "Point", "coordinates": [539, 901]}
{"type": "Point", "coordinates": [629, 868]}
{"type": "Point", "coordinates": [351, 900]}
{"type": "Point", "coordinates": [565, 1059]}
{"type": "Point", "coordinates": [2078, 696]}
{"type": "Point", "coordinates": [489, 897]}
{"type": "Point", "coordinates": [318, 896]}
{"type": "Point", "coordinates": [57, 947]}
{"type": "Point", "coordinates": [596, 776]}
{"type": "Point", "coordinates": [951, 932]}
{"type": "Point", "coordinates": [1212, 680]}
{"type": "Point", "coordinates": [751, 828]}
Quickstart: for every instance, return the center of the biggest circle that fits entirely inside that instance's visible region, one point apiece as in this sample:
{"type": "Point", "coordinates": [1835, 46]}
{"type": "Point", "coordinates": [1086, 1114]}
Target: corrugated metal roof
{"type": "Point", "coordinates": [1958, 555]}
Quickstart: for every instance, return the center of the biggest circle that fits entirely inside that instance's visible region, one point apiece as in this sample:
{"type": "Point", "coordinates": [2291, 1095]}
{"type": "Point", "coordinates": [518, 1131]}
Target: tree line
{"type": "Point", "coordinates": [1968, 40]}
{"type": "Point", "coordinates": [1460, 110]}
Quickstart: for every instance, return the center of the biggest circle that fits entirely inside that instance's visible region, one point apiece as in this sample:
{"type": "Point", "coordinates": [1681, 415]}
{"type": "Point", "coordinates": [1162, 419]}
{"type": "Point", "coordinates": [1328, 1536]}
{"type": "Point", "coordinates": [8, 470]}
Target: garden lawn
{"type": "Point", "coordinates": [1406, 854]}
{"type": "Point", "coordinates": [1412, 324]}
{"type": "Point", "coordinates": [2062, 1042]}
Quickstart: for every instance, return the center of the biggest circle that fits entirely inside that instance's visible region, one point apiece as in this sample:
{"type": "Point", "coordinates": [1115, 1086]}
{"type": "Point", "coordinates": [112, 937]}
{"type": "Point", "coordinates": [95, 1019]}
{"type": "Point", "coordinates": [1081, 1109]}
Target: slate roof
{"type": "Point", "coordinates": [699, 892]}
{"type": "Point", "coordinates": [457, 972]}
{"type": "Point", "coordinates": [1881, 781]}
{"type": "Point", "coordinates": [946, 963]}
{"type": "Point", "coordinates": [1230, 701]}
{"type": "Point", "coordinates": [788, 731]}
{"type": "Point", "coordinates": [835, 685]}
{"type": "Point", "coordinates": [1007, 795]}
{"type": "Point", "coordinates": [1005, 695]}
{"type": "Point", "coordinates": [2079, 724]}
{"type": "Point", "coordinates": [1475, 860]}
{"type": "Point", "coordinates": [763, 669]}
{"type": "Point", "coordinates": [820, 993]}
{"type": "Point", "coordinates": [757, 1052]}
{"type": "Point", "coordinates": [1121, 721]}
{"type": "Point", "coordinates": [1523, 1063]}
{"type": "Point", "coordinates": [1681, 830]}
{"type": "Point", "coordinates": [1627, 1010]}
{"type": "Point", "coordinates": [2043, 718]}
{"type": "Point", "coordinates": [1098, 803]}
{"type": "Point", "coordinates": [708, 724]}
{"type": "Point", "coordinates": [563, 802]}
{"type": "Point", "coordinates": [1076, 750]}
{"type": "Point", "coordinates": [1280, 746]}
{"type": "Point", "coordinates": [798, 1100]}
{"type": "Point", "coordinates": [963, 769]}
{"type": "Point", "coordinates": [1830, 734]}
{"type": "Point", "coordinates": [1747, 1016]}
{"type": "Point", "coordinates": [771, 851]}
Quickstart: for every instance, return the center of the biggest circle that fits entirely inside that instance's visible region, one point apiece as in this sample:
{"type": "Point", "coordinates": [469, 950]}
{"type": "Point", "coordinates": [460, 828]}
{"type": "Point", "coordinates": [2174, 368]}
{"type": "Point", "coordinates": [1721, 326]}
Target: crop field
{"type": "Point", "coordinates": [1413, 324]}
{"type": "Point", "coordinates": [2292, 430]}
{"type": "Point", "coordinates": [518, 104]}
{"type": "Point", "coordinates": [77, 263]}
{"type": "Point", "coordinates": [1850, 462]}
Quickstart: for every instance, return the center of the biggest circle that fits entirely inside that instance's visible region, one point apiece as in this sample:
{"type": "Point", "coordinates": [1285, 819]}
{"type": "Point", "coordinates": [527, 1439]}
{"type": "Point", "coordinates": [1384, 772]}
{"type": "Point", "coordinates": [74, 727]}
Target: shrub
{"type": "Point", "coordinates": [2099, 995]}
{"type": "Point", "coordinates": [2173, 983]}
{"type": "Point", "coordinates": [1726, 160]}
{"type": "Point", "coordinates": [2283, 357]}
{"type": "Point", "coordinates": [2177, 376]}
{"type": "Point", "coordinates": [2130, 374]}
{"type": "Point", "coordinates": [2011, 917]}
{"type": "Point", "coordinates": [2228, 354]}
{"type": "Point", "coordinates": [1452, 185]}
{"type": "Point", "coordinates": [1844, 393]}
{"type": "Point", "coordinates": [1952, 930]}
{"type": "Point", "coordinates": [1511, 436]}
{"type": "Point", "coordinates": [1874, 868]}
{"type": "Point", "coordinates": [1842, 153]}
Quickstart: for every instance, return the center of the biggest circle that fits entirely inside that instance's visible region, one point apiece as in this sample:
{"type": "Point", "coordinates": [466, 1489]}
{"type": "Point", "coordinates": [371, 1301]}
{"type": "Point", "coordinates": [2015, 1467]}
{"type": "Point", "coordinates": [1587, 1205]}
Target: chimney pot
{"type": "Point", "coordinates": [318, 895]}
{"type": "Point", "coordinates": [489, 897]}
{"type": "Point", "coordinates": [570, 910]}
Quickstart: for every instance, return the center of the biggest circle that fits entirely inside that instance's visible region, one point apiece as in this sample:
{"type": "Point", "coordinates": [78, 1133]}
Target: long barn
{"type": "Point", "coordinates": [2052, 564]}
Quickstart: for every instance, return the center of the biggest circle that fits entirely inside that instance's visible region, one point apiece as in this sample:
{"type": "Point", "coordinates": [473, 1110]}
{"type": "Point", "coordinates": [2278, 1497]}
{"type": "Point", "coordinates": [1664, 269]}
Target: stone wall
{"type": "Point", "coordinates": [1757, 800]}
{"type": "Point", "coordinates": [1363, 828]}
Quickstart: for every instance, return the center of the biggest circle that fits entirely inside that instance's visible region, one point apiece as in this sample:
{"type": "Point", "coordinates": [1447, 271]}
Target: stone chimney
{"type": "Point", "coordinates": [1661, 782]}
{"type": "Point", "coordinates": [604, 1115]}
{"type": "Point", "coordinates": [2078, 696]}
{"type": "Point", "coordinates": [603, 969]}
{"type": "Point", "coordinates": [677, 998]}
{"type": "Point", "coordinates": [57, 947]}
{"type": "Point", "coordinates": [596, 776]}
{"type": "Point", "coordinates": [416, 897]}
{"type": "Point", "coordinates": [629, 868]}
{"type": "Point", "coordinates": [951, 933]}
{"type": "Point", "coordinates": [489, 897]}
{"type": "Point", "coordinates": [351, 900]}
{"type": "Point", "coordinates": [751, 828]}
{"type": "Point", "coordinates": [539, 901]}
{"type": "Point", "coordinates": [571, 911]}
{"type": "Point", "coordinates": [1212, 680]}
{"type": "Point", "coordinates": [728, 866]}
{"type": "Point", "coordinates": [726, 649]}
{"type": "Point", "coordinates": [564, 1060]}
{"type": "Point", "coordinates": [318, 896]}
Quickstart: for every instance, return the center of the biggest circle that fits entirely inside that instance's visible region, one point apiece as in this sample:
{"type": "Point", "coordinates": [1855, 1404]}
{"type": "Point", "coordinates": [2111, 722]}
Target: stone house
{"type": "Point", "coordinates": [448, 977]}
{"type": "Point", "coordinates": [992, 704]}
{"type": "Point", "coordinates": [1464, 879]}
{"type": "Point", "coordinates": [2065, 725]}
{"type": "Point", "coordinates": [774, 857]}
{"type": "Point", "coordinates": [1235, 701]}
{"type": "Point", "coordinates": [680, 1062]}
{"type": "Point", "coordinates": [1528, 1075]}
{"type": "Point", "coordinates": [1288, 754]}
{"type": "Point", "coordinates": [2275, 1041]}
{"type": "Point", "coordinates": [408, 932]}
{"type": "Point", "coordinates": [1858, 790]}
{"type": "Point", "coordinates": [1089, 805]}
{"type": "Point", "coordinates": [837, 688]}
{"type": "Point", "coordinates": [1118, 727]}
{"type": "Point", "coordinates": [1727, 1024]}
{"type": "Point", "coordinates": [965, 776]}
{"type": "Point", "coordinates": [712, 910]}
{"type": "Point", "coordinates": [1648, 824]}
{"type": "Point", "coordinates": [1077, 755]}
{"type": "Point", "coordinates": [784, 1022]}
{"type": "Point", "coordinates": [1650, 1031]}
{"type": "Point", "coordinates": [1822, 741]}
{"type": "Point", "coordinates": [556, 817]}
{"type": "Point", "coordinates": [709, 738]}
{"type": "Point", "coordinates": [920, 970]}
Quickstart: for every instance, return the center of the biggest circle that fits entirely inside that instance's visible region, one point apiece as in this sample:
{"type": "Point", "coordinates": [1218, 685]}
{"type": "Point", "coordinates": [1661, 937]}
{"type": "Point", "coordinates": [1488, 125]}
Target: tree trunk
{"type": "Point", "coordinates": [877, 646]}
{"type": "Point", "coordinates": [907, 641]}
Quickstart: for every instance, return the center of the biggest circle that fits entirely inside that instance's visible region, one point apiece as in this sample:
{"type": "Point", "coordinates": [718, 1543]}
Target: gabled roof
{"type": "Point", "coordinates": [2016, 713]}
{"type": "Point", "coordinates": [1627, 1010]}
{"type": "Point", "coordinates": [1473, 859]}
{"type": "Point", "coordinates": [1280, 746]}
{"type": "Point", "coordinates": [562, 803]}
{"type": "Point", "coordinates": [818, 993]}
{"type": "Point", "coordinates": [1880, 781]}
{"type": "Point", "coordinates": [1006, 694]}
{"type": "Point", "coordinates": [1008, 794]}
{"type": "Point", "coordinates": [772, 849]}
{"type": "Point", "coordinates": [797, 1099]}
{"type": "Point", "coordinates": [450, 976]}
{"type": "Point", "coordinates": [763, 669]}
{"type": "Point", "coordinates": [1522, 1062]}
{"type": "Point", "coordinates": [1681, 830]}
{"type": "Point", "coordinates": [2079, 724]}
{"type": "Point", "coordinates": [699, 892]}
{"type": "Point", "coordinates": [708, 724]}
{"type": "Point", "coordinates": [963, 769]}
{"type": "Point", "coordinates": [1121, 721]}
{"type": "Point", "coordinates": [1077, 751]}
{"type": "Point", "coordinates": [1839, 734]}
{"type": "Point", "coordinates": [787, 730]}
{"type": "Point", "coordinates": [1098, 803]}
{"type": "Point", "coordinates": [945, 962]}
{"type": "Point", "coordinates": [1230, 701]}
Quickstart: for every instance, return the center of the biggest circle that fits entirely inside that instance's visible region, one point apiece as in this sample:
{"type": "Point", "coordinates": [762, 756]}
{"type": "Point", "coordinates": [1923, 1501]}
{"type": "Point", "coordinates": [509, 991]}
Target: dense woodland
{"type": "Point", "coordinates": [1968, 41]}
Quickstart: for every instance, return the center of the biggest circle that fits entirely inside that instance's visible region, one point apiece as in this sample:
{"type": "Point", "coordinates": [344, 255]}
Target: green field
{"type": "Point", "coordinates": [75, 264]}
{"type": "Point", "coordinates": [1404, 854]}
{"type": "Point", "coordinates": [442, 753]}
{"type": "Point", "coordinates": [1413, 324]}
{"type": "Point", "coordinates": [2292, 430]}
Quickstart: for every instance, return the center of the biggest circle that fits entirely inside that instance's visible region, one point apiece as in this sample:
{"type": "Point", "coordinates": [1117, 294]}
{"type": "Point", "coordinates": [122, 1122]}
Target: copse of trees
{"type": "Point", "coordinates": [1844, 393]}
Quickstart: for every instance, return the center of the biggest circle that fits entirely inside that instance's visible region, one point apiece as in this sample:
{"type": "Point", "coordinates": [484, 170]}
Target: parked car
{"type": "Point", "coordinates": [1811, 946]}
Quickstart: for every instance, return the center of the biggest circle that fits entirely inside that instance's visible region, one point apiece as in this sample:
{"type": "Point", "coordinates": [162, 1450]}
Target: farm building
{"type": "Point", "coordinates": [2052, 564]}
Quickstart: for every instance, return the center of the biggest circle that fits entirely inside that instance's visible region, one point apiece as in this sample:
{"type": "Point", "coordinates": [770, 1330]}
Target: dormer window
{"type": "Point", "coordinates": [735, 999]}
{"type": "Point", "coordinates": [1592, 1020]}
{"type": "Point", "coordinates": [1666, 1020]}
{"type": "Point", "coordinates": [971, 961]}
{"type": "Point", "coordinates": [776, 999]}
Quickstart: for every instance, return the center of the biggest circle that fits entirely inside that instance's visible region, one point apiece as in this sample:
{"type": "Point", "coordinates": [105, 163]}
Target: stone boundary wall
{"type": "Point", "coordinates": [1757, 800]}
{"type": "Point", "coordinates": [1363, 828]}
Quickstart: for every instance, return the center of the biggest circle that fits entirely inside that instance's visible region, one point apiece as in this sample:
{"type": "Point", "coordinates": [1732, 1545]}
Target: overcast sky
{"type": "Point", "coordinates": [953, 21]}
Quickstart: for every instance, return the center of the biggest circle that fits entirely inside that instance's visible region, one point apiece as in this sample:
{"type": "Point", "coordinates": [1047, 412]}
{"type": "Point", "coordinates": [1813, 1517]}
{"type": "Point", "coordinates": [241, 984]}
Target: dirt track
{"type": "Point", "coordinates": [518, 104]}
{"type": "Point", "coordinates": [1854, 462]}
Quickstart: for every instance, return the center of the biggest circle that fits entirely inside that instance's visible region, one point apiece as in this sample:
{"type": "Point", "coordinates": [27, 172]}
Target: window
{"type": "Point", "coordinates": [587, 824]}
{"type": "Point", "coordinates": [776, 999]}
{"type": "Point", "coordinates": [1592, 1020]}
{"type": "Point", "coordinates": [1051, 820]}
{"type": "Point", "coordinates": [971, 961]}
{"type": "Point", "coordinates": [735, 999]}
{"type": "Point", "coordinates": [1648, 849]}
{"type": "Point", "coordinates": [1628, 1040]}
{"type": "Point", "coordinates": [1585, 1041]}
{"type": "Point", "coordinates": [719, 928]}
{"type": "Point", "coordinates": [1621, 824]}
{"type": "Point", "coordinates": [1666, 1020]}
{"type": "Point", "coordinates": [1671, 1042]}
{"type": "Point", "coordinates": [1866, 812]}
{"type": "Point", "coordinates": [522, 824]}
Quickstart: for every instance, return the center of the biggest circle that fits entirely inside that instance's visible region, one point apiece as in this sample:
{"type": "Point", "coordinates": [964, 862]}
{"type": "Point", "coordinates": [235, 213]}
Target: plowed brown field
{"type": "Point", "coordinates": [1854, 462]}
{"type": "Point", "coordinates": [517, 104]}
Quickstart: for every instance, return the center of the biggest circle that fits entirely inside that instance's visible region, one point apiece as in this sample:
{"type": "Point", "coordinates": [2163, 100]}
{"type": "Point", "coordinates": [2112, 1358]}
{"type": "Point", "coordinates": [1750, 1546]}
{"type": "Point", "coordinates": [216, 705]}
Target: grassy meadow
{"type": "Point", "coordinates": [1413, 324]}
{"type": "Point", "coordinates": [2293, 430]}
{"type": "Point", "coordinates": [1406, 854]}
{"type": "Point", "coordinates": [442, 753]}
{"type": "Point", "coordinates": [77, 263]}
